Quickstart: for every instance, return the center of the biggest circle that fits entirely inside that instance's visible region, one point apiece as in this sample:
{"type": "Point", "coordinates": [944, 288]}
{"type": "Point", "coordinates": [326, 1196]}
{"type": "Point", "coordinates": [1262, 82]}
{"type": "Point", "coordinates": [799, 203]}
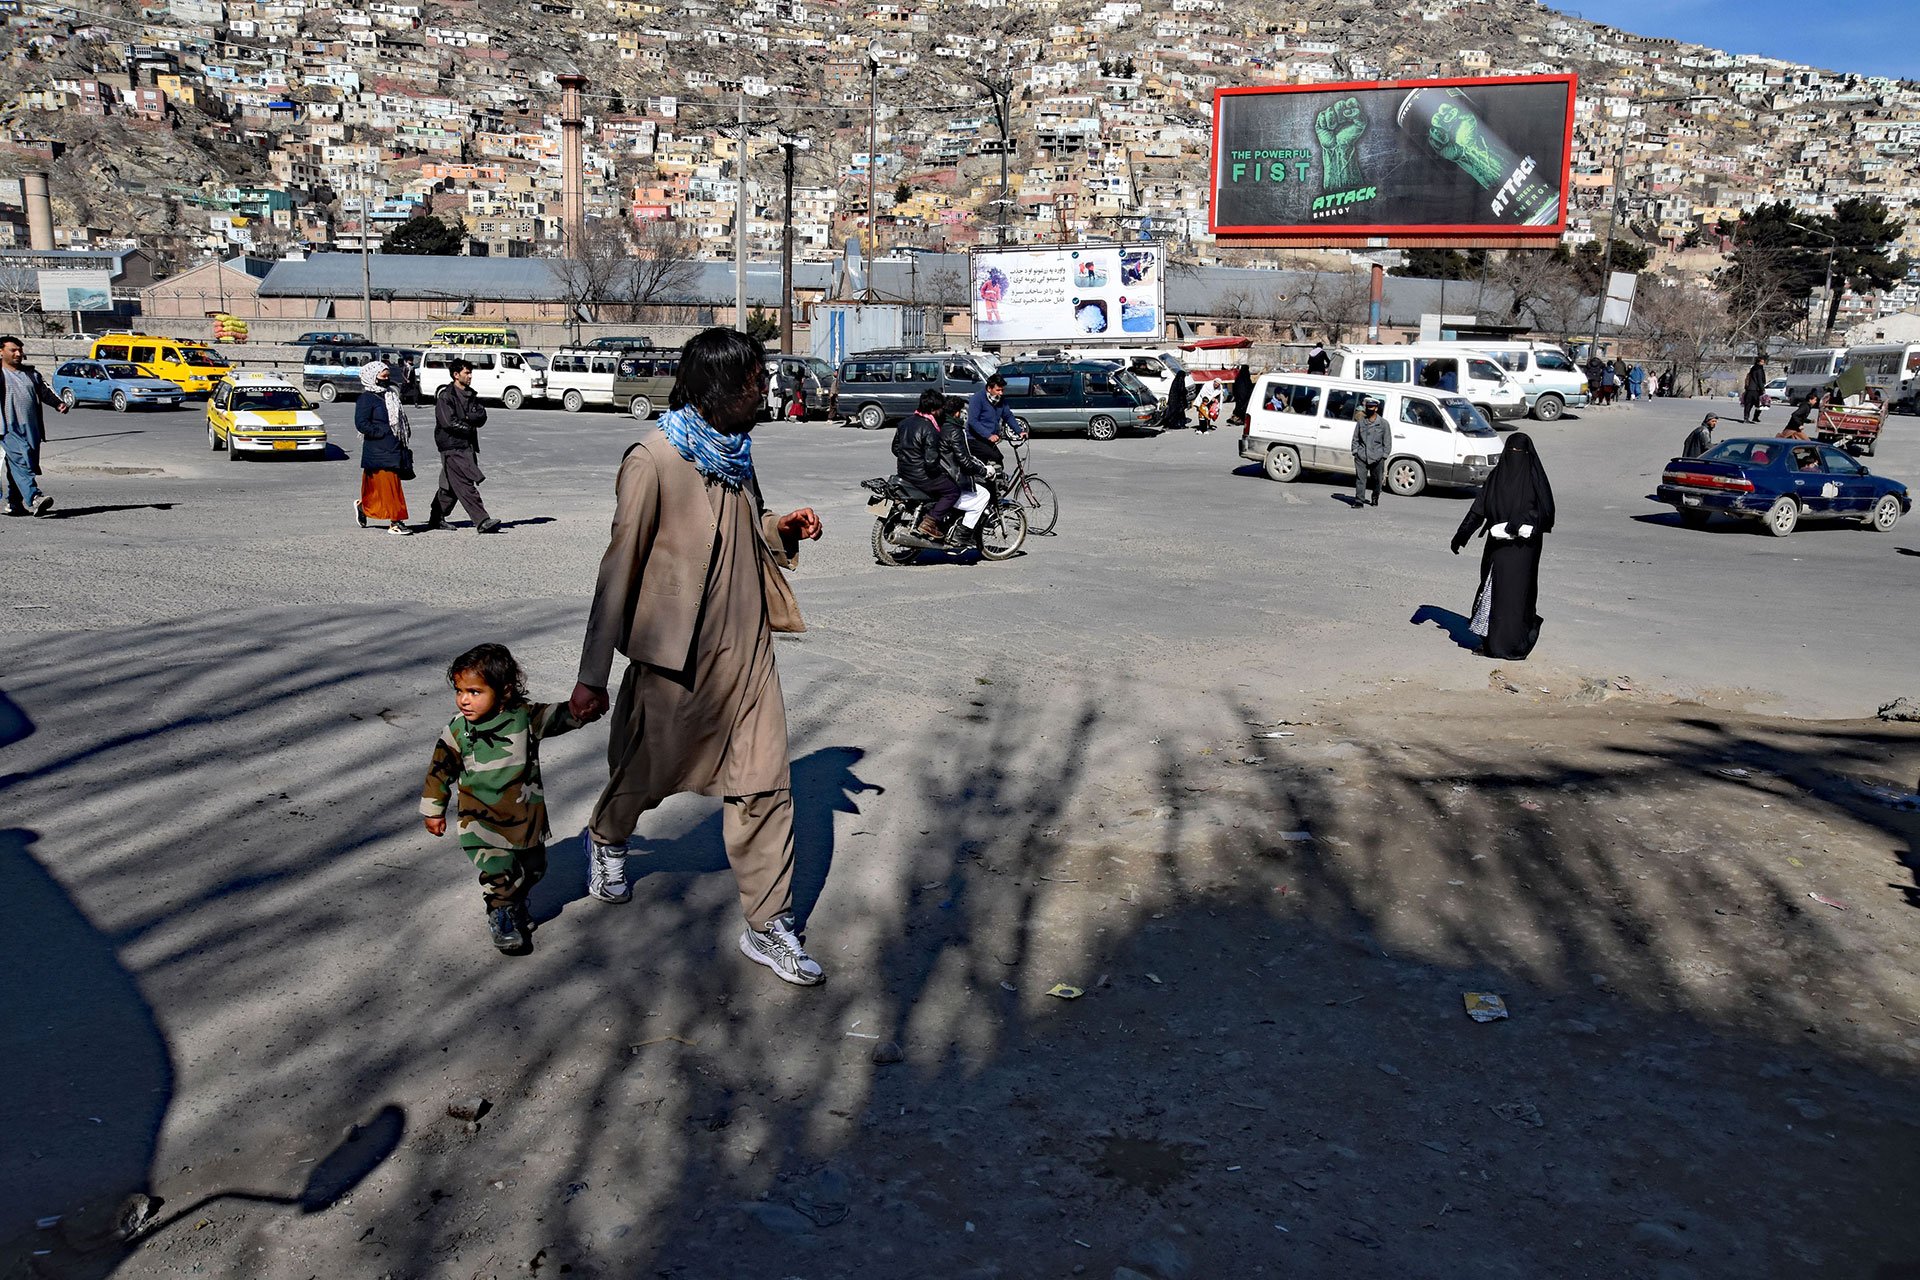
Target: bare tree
{"type": "Point", "coordinates": [589, 279]}
{"type": "Point", "coordinates": [1682, 326]}
{"type": "Point", "coordinates": [19, 292]}
{"type": "Point", "coordinates": [1760, 289]}
{"type": "Point", "coordinates": [1558, 303]}
{"type": "Point", "coordinates": [662, 266]}
{"type": "Point", "coordinates": [1334, 302]}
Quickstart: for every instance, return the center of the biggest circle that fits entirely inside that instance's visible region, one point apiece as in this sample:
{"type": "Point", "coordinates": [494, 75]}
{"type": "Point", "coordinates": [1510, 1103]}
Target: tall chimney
{"type": "Point", "coordinates": [39, 211]}
{"type": "Point", "coordinates": [573, 196]}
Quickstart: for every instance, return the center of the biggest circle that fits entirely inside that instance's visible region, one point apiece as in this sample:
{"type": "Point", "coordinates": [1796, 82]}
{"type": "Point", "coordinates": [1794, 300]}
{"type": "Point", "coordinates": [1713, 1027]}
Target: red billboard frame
{"type": "Point", "coordinates": [1382, 236]}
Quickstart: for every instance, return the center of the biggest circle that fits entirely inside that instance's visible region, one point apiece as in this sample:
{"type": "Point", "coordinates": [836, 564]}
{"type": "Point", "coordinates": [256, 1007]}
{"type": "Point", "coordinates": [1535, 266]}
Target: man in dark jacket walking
{"type": "Point", "coordinates": [1372, 442]}
{"type": "Point", "coordinates": [458, 416]}
{"type": "Point", "coordinates": [1752, 390]}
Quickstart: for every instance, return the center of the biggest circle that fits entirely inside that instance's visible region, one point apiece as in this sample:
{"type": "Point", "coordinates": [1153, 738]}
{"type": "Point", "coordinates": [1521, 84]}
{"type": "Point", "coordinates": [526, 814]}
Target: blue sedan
{"type": "Point", "coordinates": [120, 385]}
{"type": "Point", "coordinates": [1780, 483]}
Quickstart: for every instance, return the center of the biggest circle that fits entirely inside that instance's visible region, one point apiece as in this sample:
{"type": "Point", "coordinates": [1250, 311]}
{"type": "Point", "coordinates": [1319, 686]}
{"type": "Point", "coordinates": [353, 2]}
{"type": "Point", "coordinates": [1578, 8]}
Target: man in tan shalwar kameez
{"type": "Point", "coordinates": [691, 591]}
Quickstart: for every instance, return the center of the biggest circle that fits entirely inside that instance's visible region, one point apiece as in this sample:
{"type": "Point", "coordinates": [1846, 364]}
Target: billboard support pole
{"type": "Point", "coordinates": [1377, 294]}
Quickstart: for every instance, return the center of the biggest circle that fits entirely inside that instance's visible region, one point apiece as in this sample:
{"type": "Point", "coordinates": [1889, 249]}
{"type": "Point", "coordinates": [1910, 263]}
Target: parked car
{"type": "Point", "coordinates": [644, 381]}
{"type": "Point", "coordinates": [620, 342]}
{"type": "Point", "coordinates": [327, 335]}
{"type": "Point", "coordinates": [1780, 483]}
{"type": "Point", "coordinates": [1773, 391]}
{"type": "Point", "coordinates": [815, 378]}
{"type": "Point", "coordinates": [508, 374]}
{"type": "Point", "coordinates": [1548, 378]}
{"type": "Point", "coordinates": [582, 376]}
{"type": "Point", "coordinates": [1095, 397]}
{"type": "Point", "coordinates": [879, 387]}
{"type": "Point", "coordinates": [120, 385]}
{"type": "Point", "coordinates": [262, 413]}
{"type": "Point", "coordinates": [332, 370]}
{"type": "Point", "coordinates": [1304, 421]}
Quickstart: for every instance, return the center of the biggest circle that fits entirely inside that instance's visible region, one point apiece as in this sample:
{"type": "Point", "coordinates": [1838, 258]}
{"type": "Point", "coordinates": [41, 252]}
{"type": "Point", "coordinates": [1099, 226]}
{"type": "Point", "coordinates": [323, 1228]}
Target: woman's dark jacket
{"type": "Point", "coordinates": [380, 450]}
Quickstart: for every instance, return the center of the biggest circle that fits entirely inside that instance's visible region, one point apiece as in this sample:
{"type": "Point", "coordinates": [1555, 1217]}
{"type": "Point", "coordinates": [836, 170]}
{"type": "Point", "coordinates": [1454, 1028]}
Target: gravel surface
{"type": "Point", "coordinates": [1189, 757]}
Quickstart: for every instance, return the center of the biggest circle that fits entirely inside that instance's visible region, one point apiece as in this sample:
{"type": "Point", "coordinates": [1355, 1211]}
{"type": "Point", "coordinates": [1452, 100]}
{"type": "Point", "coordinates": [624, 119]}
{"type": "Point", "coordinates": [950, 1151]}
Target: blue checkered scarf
{"type": "Point", "coordinates": [719, 455]}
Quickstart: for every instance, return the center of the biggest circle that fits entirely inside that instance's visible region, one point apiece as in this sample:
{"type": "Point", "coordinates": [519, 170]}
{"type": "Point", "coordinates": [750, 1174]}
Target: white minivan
{"type": "Point", "coordinates": [580, 376]}
{"type": "Point", "coordinates": [508, 374]}
{"type": "Point", "coordinates": [1436, 368]}
{"type": "Point", "coordinates": [1548, 378]}
{"type": "Point", "coordinates": [1304, 422]}
{"type": "Point", "coordinates": [1154, 366]}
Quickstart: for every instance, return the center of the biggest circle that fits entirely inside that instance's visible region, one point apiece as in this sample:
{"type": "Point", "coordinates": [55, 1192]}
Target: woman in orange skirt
{"type": "Point", "coordinates": [384, 455]}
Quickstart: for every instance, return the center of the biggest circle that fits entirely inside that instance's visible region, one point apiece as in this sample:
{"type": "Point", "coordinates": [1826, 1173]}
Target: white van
{"type": "Point", "coordinates": [1154, 366]}
{"type": "Point", "coordinates": [1893, 369]}
{"type": "Point", "coordinates": [1304, 422]}
{"type": "Point", "coordinates": [1548, 377]}
{"type": "Point", "coordinates": [1811, 370]}
{"type": "Point", "coordinates": [1437, 368]}
{"type": "Point", "coordinates": [508, 374]}
{"type": "Point", "coordinates": [580, 376]}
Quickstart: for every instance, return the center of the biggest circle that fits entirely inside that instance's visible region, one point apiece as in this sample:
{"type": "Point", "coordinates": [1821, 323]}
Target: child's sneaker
{"type": "Point", "coordinates": [606, 869]}
{"type": "Point", "coordinates": [778, 948]}
{"type": "Point", "coordinates": [504, 924]}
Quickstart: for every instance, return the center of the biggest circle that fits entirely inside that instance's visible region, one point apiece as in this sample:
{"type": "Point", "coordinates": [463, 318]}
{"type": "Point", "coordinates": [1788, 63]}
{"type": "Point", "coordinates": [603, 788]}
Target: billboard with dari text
{"type": "Point", "coordinates": [1069, 293]}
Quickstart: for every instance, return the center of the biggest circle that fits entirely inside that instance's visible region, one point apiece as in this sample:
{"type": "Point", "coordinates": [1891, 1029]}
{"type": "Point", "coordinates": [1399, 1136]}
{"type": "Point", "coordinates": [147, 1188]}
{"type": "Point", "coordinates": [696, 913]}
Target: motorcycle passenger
{"type": "Point", "coordinates": [957, 457]}
{"type": "Point", "coordinates": [921, 462]}
{"type": "Point", "coordinates": [988, 419]}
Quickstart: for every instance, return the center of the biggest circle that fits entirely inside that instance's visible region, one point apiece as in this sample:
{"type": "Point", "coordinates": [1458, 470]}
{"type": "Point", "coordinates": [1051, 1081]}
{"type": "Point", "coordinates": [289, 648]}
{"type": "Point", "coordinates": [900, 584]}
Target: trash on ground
{"type": "Point", "coordinates": [1901, 709]}
{"type": "Point", "coordinates": [887, 1054]}
{"type": "Point", "coordinates": [1888, 796]}
{"type": "Point", "coordinates": [1530, 806]}
{"type": "Point", "coordinates": [1253, 759]}
{"type": "Point", "coordinates": [1825, 901]}
{"type": "Point", "coordinates": [1484, 1006]}
{"type": "Point", "coordinates": [468, 1108]}
{"type": "Point", "coordinates": [1064, 991]}
{"type": "Point", "coordinates": [1735, 773]}
{"type": "Point", "coordinates": [1296, 837]}
{"type": "Point", "coordinates": [1273, 735]}
{"type": "Point", "coordinates": [1154, 978]}
{"type": "Point", "coordinates": [1008, 986]}
{"type": "Point", "coordinates": [47, 1223]}
{"type": "Point", "coordinates": [1520, 1113]}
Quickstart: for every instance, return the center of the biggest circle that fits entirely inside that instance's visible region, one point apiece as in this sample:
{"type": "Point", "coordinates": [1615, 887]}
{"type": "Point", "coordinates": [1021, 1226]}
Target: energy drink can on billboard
{"type": "Point", "coordinates": [1453, 130]}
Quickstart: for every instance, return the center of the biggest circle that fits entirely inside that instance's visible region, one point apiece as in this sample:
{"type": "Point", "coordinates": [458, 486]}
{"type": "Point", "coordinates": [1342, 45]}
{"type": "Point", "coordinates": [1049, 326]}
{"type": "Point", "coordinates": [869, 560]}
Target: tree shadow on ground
{"type": "Point", "coordinates": [1269, 1066]}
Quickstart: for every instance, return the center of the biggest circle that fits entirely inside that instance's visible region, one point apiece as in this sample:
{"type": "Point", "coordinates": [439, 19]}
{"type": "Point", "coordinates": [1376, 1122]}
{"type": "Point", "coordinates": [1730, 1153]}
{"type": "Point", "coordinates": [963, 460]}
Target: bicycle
{"type": "Point", "coordinates": [1034, 495]}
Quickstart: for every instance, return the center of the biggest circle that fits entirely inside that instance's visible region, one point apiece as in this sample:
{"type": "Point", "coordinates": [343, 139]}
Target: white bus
{"type": "Point", "coordinates": [1892, 368]}
{"type": "Point", "coordinates": [1811, 370]}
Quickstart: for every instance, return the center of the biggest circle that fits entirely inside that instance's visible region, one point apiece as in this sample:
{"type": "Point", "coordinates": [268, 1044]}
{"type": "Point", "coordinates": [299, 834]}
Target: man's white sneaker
{"type": "Point", "coordinates": [606, 869]}
{"type": "Point", "coordinates": [778, 948]}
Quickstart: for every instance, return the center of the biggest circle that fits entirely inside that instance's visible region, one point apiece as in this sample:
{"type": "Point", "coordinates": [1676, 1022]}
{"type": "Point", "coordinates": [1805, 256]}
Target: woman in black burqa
{"type": "Point", "coordinates": [1514, 508]}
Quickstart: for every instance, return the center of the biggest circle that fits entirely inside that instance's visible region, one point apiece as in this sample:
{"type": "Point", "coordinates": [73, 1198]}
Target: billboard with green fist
{"type": "Point", "coordinates": [1411, 157]}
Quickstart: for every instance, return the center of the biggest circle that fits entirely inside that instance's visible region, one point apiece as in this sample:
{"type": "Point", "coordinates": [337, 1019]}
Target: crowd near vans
{"type": "Point", "coordinates": [1437, 368]}
{"type": "Point", "coordinates": [475, 335]}
{"type": "Point", "coordinates": [1548, 378]}
{"type": "Point", "coordinates": [879, 387]}
{"type": "Point", "coordinates": [194, 366]}
{"type": "Point", "coordinates": [506, 374]}
{"type": "Point", "coordinates": [1304, 422]}
{"type": "Point", "coordinates": [1091, 396]}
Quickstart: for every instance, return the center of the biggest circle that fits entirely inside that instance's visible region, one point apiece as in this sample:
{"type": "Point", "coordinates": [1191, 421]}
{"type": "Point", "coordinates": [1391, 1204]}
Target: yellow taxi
{"type": "Point", "coordinates": [196, 366]}
{"type": "Point", "coordinates": [262, 413]}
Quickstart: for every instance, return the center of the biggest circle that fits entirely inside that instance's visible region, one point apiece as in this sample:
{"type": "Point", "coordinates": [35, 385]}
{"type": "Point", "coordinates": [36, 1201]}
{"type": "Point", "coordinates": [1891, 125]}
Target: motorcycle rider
{"type": "Point", "coordinates": [921, 462]}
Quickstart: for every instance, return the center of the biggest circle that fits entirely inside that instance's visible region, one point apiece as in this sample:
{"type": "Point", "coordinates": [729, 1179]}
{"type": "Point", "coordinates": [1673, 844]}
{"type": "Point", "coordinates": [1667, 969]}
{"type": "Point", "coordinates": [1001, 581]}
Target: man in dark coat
{"type": "Point", "coordinates": [1318, 361]}
{"type": "Point", "coordinates": [1242, 394]}
{"type": "Point", "coordinates": [458, 416]}
{"type": "Point", "coordinates": [1700, 439]}
{"type": "Point", "coordinates": [1513, 509]}
{"type": "Point", "coordinates": [22, 429]}
{"type": "Point", "coordinates": [1752, 390]}
{"type": "Point", "coordinates": [1372, 442]}
{"type": "Point", "coordinates": [918, 458]}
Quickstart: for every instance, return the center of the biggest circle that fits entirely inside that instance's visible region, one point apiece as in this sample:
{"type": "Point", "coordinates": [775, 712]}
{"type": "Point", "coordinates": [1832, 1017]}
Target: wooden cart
{"type": "Point", "coordinates": [1855, 429]}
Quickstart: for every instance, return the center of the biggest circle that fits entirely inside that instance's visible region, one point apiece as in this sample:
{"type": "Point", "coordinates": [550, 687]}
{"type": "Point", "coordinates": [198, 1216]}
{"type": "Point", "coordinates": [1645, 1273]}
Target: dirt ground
{"type": "Point", "coordinates": [1700, 923]}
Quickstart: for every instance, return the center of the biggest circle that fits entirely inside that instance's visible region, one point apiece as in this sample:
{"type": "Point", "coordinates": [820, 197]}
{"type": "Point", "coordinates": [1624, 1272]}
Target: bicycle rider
{"type": "Point", "coordinates": [988, 419]}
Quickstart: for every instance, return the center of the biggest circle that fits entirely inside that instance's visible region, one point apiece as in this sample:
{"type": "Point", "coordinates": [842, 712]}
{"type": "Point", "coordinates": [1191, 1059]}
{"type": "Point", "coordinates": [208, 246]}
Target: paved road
{"type": "Point", "coordinates": [1172, 561]}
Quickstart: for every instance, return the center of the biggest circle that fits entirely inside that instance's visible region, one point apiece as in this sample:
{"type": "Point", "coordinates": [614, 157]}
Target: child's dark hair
{"type": "Point", "coordinates": [494, 664]}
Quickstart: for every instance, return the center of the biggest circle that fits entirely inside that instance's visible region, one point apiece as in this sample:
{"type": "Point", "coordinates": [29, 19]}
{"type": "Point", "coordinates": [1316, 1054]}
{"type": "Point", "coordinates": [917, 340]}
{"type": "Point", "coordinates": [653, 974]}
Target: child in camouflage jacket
{"type": "Point", "coordinates": [490, 755]}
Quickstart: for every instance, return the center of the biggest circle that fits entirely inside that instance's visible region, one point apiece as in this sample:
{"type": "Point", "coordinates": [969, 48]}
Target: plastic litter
{"type": "Point", "coordinates": [1273, 735]}
{"type": "Point", "coordinates": [1825, 901]}
{"type": "Point", "coordinates": [1065, 992]}
{"type": "Point", "coordinates": [1154, 978]}
{"type": "Point", "coordinates": [1296, 837]}
{"type": "Point", "coordinates": [1735, 773]}
{"type": "Point", "coordinates": [1484, 1006]}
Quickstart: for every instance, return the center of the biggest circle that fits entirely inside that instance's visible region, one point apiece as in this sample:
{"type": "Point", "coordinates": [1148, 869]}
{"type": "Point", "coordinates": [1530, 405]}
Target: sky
{"type": "Point", "coordinates": [1870, 37]}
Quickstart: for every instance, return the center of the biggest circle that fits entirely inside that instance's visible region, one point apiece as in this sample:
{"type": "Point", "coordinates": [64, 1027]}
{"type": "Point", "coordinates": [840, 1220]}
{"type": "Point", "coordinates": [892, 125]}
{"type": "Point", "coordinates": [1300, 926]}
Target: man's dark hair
{"type": "Point", "coordinates": [495, 666]}
{"type": "Point", "coordinates": [5, 338]}
{"type": "Point", "coordinates": [995, 380]}
{"type": "Point", "coordinates": [714, 366]}
{"type": "Point", "coordinates": [455, 366]}
{"type": "Point", "coordinates": [932, 402]}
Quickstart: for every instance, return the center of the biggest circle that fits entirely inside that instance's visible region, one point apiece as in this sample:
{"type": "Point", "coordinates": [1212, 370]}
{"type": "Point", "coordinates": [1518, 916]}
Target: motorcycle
{"type": "Point", "coordinates": [898, 507]}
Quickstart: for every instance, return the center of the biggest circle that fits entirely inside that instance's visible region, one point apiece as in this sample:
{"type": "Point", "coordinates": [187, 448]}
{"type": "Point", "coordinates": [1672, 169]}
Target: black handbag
{"type": "Point", "coordinates": [406, 463]}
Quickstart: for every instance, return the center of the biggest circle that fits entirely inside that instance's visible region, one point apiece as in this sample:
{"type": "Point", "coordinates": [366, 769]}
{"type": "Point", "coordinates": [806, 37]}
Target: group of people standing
{"type": "Point", "coordinates": [1610, 380]}
{"type": "Point", "coordinates": [386, 450]}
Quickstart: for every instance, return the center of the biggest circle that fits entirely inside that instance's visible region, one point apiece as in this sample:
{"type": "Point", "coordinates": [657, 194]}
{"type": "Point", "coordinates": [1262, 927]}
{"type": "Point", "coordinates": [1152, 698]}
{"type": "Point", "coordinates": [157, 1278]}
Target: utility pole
{"type": "Point", "coordinates": [366, 261]}
{"type": "Point", "coordinates": [873, 161]}
{"type": "Point", "coordinates": [788, 144]}
{"type": "Point", "coordinates": [740, 223]}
